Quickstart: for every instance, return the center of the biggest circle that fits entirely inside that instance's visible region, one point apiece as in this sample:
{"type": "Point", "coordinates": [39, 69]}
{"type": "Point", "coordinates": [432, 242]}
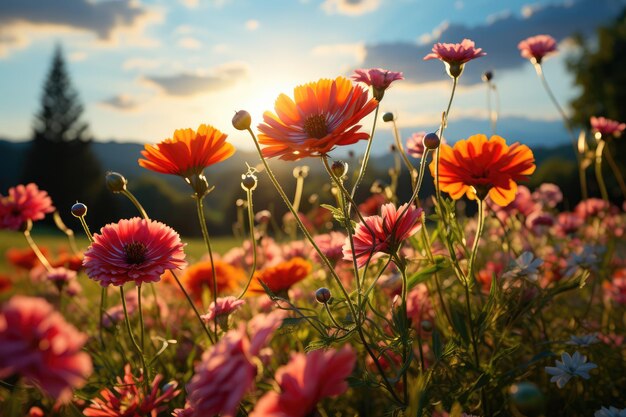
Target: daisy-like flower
{"type": "Point", "coordinates": [525, 266]}
{"type": "Point", "coordinates": [478, 167]}
{"type": "Point", "coordinates": [587, 259]}
{"type": "Point", "coordinates": [331, 245]}
{"type": "Point", "coordinates": [389, 229]}
{"type": "Point", "coordinates": [415, 145]}
{"type": "Point", "coordinates": [323, 116]}
{"type": "Point", "coordinates": [225, 307]}
{"type": "Point", "coordinates": [455, 55]}
{"type": "Point", "coordinates": [568, 367]}
{"type": "Point", "coordinates": [23, 203]}
{"type": "Point", "coordinates": [128, 398]}
{"type": "Point", "coordinates": [37, 344]}
{"type": "Point", "coordinates": [279, 278]}
{"type": "Point", "coordinates": [134, 249]}
{"type": "Point", "coordinates": [537, 47]}
{"type": "Point", "coordinates": [199, 276]}
{"type": "Point", "coordinates": [610, 412]}
{"type": "Point", "coordinates": [603, 127]}
{"type": "Point", "coordinates": [306, 380]}
{"type": "Point", "coordinates": [549, 195]}
{"type": "Point", "coordinates": [377, 78]}
{"type": "Point", "coordinates": [60, 277]}
{"type": "Point", "coordinates": [583, 341]}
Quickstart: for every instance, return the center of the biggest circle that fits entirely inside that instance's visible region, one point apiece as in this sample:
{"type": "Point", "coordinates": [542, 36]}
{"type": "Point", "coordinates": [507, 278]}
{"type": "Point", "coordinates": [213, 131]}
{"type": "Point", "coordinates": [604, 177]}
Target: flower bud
{"type": "Point", "coordinates": [388, 117]}
{"type": "Point", "coordinates": [242, 120]}
{"type": "Point", "coordinates": [263, 216]}
{"type": "Point", "coordinates": [116, 183]}
{"type": "Point", "coordinates": [487, 76]}
{"type": "Point", "coordinates": [431, 141]}
{"type": "Point", "coordinates": [339, 168]}
{"type": "Point", "coordinates": [527, 398]}
{"type": "Point", "coordinates": [240, 203]}
{"type": "Point", "coordinates": [301, 172]}
{"type": "Point", "coordinates": [79, 209]}
{"type": "Point", "coordinates": [249, 182]}
{"type": "Point", "coordinates": [322, 295]}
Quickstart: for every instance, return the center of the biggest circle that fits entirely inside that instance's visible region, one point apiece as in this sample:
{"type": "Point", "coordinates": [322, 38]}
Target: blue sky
{"type": "Point", "coordinates": [145, 68]}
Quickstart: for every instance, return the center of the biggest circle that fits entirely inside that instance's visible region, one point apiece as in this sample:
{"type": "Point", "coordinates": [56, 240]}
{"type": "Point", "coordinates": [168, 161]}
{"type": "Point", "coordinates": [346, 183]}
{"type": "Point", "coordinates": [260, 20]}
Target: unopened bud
{"type": "Point", "coordinates": [79, 209]}
{"type": "Point", "coordinates": [249, 182]}
{"type": "Point", "coordinates": [240, 203]}
{"type": "Point", "coordinates": [487, 76]}
{"type": "Point", "coordinates": [388, 117]}
{"type": "Point", "coordinates": [242, 120]}
{"type": "Point", "coordinates": [431, 141]}
{"type": "Point", "coordinates": [393, 148]}
{"type": "Point", "coordinates": [339, 168]}
{"type": "Point", "coordinates": [301, 172]}
{"type": "Point", "coordinates": [322, 295]}
{"type": "Point", "coordinates": [116, 183]}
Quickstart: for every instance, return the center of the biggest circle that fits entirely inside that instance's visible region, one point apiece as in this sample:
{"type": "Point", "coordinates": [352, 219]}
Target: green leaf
{"type": "Point", "coordinates": [424, 274]}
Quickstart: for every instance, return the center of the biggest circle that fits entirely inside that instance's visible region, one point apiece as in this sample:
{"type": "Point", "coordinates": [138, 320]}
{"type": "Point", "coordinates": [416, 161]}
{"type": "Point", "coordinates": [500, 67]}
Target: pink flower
{"type": "Point", "coordinates": [537, 47]}
{"type": "Point", "coordinates": [227, 370]}
{"type": "Point", "coordinates": [331, 245]}
{"type": "Point", "coordinates": [133, 250]}
{"type": "Point", "coordinates": [60, 277]}
{"type": "Point", "coordinates": [22, 204]}
{"type": "Point", "coordinates": [37, 344]}
{"type": "Point", "coordinates": [415, 145]}
{"type": "Point", "coordinates": [591, 207]}
{"type": "Point", "coordinates": [378, 78]}
{"type": "Point", "coordinates": [128, 399]}
{"type": "Point", "coordinates": [548, 195]}
{"type": "Point", "coordinates": [568, 223]}
{"type": "Point", "coordinates": [606, 127]}
{"type": "Point", "coordinates": [389, 230]}
{"type": "Point", "coordinates": [305, 380]}
{"type": "Point", "coordinates": [455, 55]}
{"type": "Point", "coordinates": [419, 306]}
{"type": "Point", "coordinates": [615, 289]}
{"type": "Point", "coordinates": [225, 306]}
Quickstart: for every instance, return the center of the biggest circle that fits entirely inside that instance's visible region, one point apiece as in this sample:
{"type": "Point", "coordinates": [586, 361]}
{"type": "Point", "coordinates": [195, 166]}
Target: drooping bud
{"type": "Point", "coordinates": [322, 295]}
{"type": "Point", "coordinates": [242, 120]}
{"type": "Point", "coordinates": [249, 182]}
{"type": "Point", "coordinates": [339, 168]}
{"type": "Point", "coordinates": [79, 209]}
{"type": "Point", "coordinates": [431, 141]}
{"type": "Point", "coordinates": [116, 183]}
{"type": "Point", "coordinates": [388, 117]}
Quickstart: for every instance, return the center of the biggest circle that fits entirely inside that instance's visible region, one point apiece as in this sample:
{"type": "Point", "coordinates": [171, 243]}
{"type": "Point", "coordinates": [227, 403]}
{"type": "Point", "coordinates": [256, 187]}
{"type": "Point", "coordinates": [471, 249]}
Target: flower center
{"type": "Point", "coordinates": [135, 253]}
{"type": "Point", "coordinates": [315, 126]}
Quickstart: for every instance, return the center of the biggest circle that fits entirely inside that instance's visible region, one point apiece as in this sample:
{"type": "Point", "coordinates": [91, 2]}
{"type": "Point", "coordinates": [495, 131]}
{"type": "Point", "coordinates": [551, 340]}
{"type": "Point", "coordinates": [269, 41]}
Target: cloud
{"type": "Point", "coordinates": [499, 38]}
{"type": "Point", "coordinates": [252, 25]}
{"type": "Point", "coordinates": [355, 50]}
{"type": "Point", "coordinates": [121, 102]}
{"type": "Point", "coordinates": [187, 84]}
{"type": "Point", "coordinates": [77, 56]}
{"type": "Point", "coordinates": [350, 7]}
{"type": "Point", "coordinates": [22, 19]}
{"type": "Point", "coordinates": [189, 43]}
{"type": "Point", "coordinates": [141, 64]}
{"type": "Point", "coordinates": [190, 4]}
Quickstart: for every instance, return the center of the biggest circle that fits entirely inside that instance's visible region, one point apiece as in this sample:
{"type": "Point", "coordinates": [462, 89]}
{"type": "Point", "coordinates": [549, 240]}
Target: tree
{"type": "Point", "coordinates": [60, 159]}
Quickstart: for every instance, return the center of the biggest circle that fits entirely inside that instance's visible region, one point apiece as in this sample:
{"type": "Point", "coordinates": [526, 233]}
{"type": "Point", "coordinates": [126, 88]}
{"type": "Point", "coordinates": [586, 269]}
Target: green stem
{"type": "Point", "coordinates": [332, 318]}
{"type": "Point", "coordinates": [405, 319]}
{"type": "Point", "coordinates": [616, 171]}
{"type": "Point", "coordinates": [193, 306]}
{"type": "Point", "coordinates": [444, 124]}
{"type": "Point", "coordinates": [35, 249]}
{"type": "Point", "coordinates": [58, 221]}
{"type": "Point", "coordinates": [598, 166]}
{"type": "Point", "coordinates": [136, 203]}
{"type": "Point", "coordinates": [298, 194]}
{"type": "Point", "coordinates": [366, 157]}
{"type": "Point", "coordinates": [207, 241]}
{"type": "Point", "coordinates": [141, 326]}
{"type": "Point", "coordinates": [253, 242]}
{"type": "Point", "coordinates": [146, 377]}
{"type": "Point", "coordinates": [405, 158]}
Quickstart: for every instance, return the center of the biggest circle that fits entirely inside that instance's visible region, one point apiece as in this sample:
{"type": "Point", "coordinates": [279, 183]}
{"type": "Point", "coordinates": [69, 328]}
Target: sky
{"type": "Point", "coordinates": [145, 68]}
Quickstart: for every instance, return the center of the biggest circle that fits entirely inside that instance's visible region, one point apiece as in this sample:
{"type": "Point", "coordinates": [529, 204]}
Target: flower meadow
{"type": "Point", "coordinates": [513, 307]}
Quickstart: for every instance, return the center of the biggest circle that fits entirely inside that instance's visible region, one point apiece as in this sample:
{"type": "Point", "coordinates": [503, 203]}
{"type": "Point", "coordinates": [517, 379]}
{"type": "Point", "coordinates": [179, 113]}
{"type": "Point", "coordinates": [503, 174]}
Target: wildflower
{"type": "Point", "coordinates": [128, 397]}
{"type": "Point", "coordinates": [324, 115]}
{"type": "Point", "coordinates": [415, 145]}
{"type": "Point", "coordinates": [331, 245]}
{"type": "Point", "coordinates": [603, 127]}
{"type": "Point", "coordinates": [305, 380]}
{"type": "Point", "coordinates": [419, 308]}
{"type": "Point", "coordinates": [199, 276]}
{"type": "Point", "coordinates": [37, 344]}
{"type": "Point", "coordinates": [568, 367]}
{"type": "Point", "coordinates": [60, 277]}
{"type": "Point", "coordinates": [371, 206]}
{"type": "Point", "coordinates": [615, 288]}
{"type": "Point", "coordinates": [389, 229]}
{"type": "Point", "coordinates": [281, 277]}
{"type": "Point", "coordinates": [134, 249]}
{"type": "Point", "coordinates": [610, 412]}
{"type": "Point", "coordinates": [583, 341]}
{"type": "Point", "coordinates": [522, 204]}
{"type": "Point", "coordinates": [5, 283]}
{"type": "Point", "coordinates": [548, 194]}
{"type": "Point", "coordinates": [24, 258]}
{"type": "Point", "coordinates": [225, 307]}
{"type": "Point", "coordinates": [592, 207]}
{"type": "Point", "coordinates": [377, 78]}
{"type": "Point", "coordinates": [537, 47]}
{"type": "Point", "coordinates": [455, 55]}
{"type": "Point", "coordinates": [478, 167]}
{"type": "Point", "coordinates": [587, 259]}
{"type": "Point", "coordinates": [568, 223]}
{"type": "Point", "coordinates": [23, 203]}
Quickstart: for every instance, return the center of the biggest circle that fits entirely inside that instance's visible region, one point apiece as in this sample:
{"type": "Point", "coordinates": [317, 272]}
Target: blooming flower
{"type": "Point", "coordinates": [525, 266]}
{"type": "Point", "coordinates": [478, 167]}
{"type": "Point", "coordinates": [418, 306]}
{"type": "Point", "coordinates": [583, 341]}
{"type": "Point", "coordinates": [537, 47]}
{"type": "Point", "coordinates": [606, 127]}
{"type": "Point", "coordinates": [128, 399]}
{"type": "Point", "coordinates": [225, 306]}
{"type": "Point", "coordinates": [60, 277]}
{"type": "Point", "coordinates": [548, 194]}
{"type": "Point", "coordinates": [199, 276]}
{"type": "Point", "coordinates": [389, 230]}
{"type": "Point", "coordinates": [610, 412]}
{"type": "Point", "coordinates": [615, 288]}
{"type": "Point", "coordinates": [324, 115]}
{"type": "Point", "coordinates": [305, 380]}
{"type": "Point", "coordinates": [24, 202]}
{"type": "Point", "coordinates": [587, 259]}
{"type": "Point", "coordinates": [134, 249]}
{"type": "Point", "coordinates": [569, 366]}
{"type": "Point", "coordinates": [24, 258]}
{"type": "Point", "coordinates": [415, 145]}
{"type": "Point", "coordinates": [455, 55]}
{"type": "Point", "coordinates": [37, 344]}
{"type": "Point", "coordinates": [331, 245]}
{"type": "Point", "coordinates": [279, 278]}
{"type": "Point", "coordinates": [378, 78]}
{"type": "Point", "coordinates": [188, 152]}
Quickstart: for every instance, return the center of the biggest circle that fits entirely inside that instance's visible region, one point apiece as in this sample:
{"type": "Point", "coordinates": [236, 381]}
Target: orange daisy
{"type": "Point", "coordinates": [279, 278]}
{"type": "Point", "coordinates": [188, 152]}
{"type": "Point", "coordinates": [323, 115]}
{"type": "Point", "coordinates": [478, 167]}
{"type": "Point", "coordinates": [199, 276]}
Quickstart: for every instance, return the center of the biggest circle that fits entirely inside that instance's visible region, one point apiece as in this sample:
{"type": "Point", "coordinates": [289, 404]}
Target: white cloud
{"type": "Point", "coordinates": [77, 56]}
{"type": "Point", "coordinates": [350, 7]}
{"type": "Point", "coordinates": [122, 102]}
{"type": "Point", "coordinates": [189, 43]}
{"type": "Point", "coordinates": [190, 4]}
{"type": "Point", "coordinates": [252, 24]}
{"type": "Point", "coordinates": [355, 50]}
{"type": "Point", "coordinates": [141, 63]}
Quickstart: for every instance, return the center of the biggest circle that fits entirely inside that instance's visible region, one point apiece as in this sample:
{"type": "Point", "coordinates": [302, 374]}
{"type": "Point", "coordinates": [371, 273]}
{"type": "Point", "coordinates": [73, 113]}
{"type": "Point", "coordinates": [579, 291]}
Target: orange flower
{"type": "Point", "coordinates": [199, 276]}
{"type": "Point", "coordinates": [281, 277]}
{"type": "Point", "coordinates": [324, 115]}
{"type": "Point", "coordinates": [479, 166]}
{"type": "Point", "coordinates": [188, 153]}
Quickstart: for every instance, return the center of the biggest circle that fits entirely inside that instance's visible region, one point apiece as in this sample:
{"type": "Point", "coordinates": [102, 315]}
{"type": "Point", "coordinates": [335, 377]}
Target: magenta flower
{"type": "Point", "coordinates": [24, 202]}
{"type": "Point", "coordinates": [548, 194]}
{"type": "Point", "coordinates": [377, 78]}
{"type": "Point", "coordinates": [389, 229]}
{"type": "Point", "coordinates": [606, 127]}
{"type": "Point", "coordinates": [225, 307]}
{"type": "Point", "coordinates": [415, 145]}
{"type": "Point", "coordinates": [37, 344]}
{"type": "Point", "coordinates": [305, 380]}
{"type": "Point", "coordinates": [455, 55]}
{"type": "Point", "coordinates": [136, 249]}
{"type": "Point", "coordinates": [537, 47]}
{"type": "Point", "coordinates": [419, 306]}
{"type": "Point", "coordinates": [60, 277]}
{"type": "Point", "coordinates": [331, 245]}
{"type": "Point", "coordinates": [128, 399]}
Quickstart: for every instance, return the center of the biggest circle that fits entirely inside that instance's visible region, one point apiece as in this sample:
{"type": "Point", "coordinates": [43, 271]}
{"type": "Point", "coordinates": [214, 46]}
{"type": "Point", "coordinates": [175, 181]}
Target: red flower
{"type": "Point", "coordinates": [22, 204]}
{"type": "Point", "coordinates": [37, 344]}
{"type": "Point", "coordinates": [606, 127]}
{"type": "Point", "coordinates": [455, 55]}
{"type": "Point", "coordinates": [324, 115]}
{"type": "Point", "coordinates": [536, 47]}
{"type": "Point", "coordinates": [281, 277]}
{"type": "Point", "coordinates": [199, 276]}
{"type": "Point", "coordinates": [134, 249]}
{"type": "Point", "coordinates": [24, 258]}
{"type": "Point", "coordinates": [377, 78]}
